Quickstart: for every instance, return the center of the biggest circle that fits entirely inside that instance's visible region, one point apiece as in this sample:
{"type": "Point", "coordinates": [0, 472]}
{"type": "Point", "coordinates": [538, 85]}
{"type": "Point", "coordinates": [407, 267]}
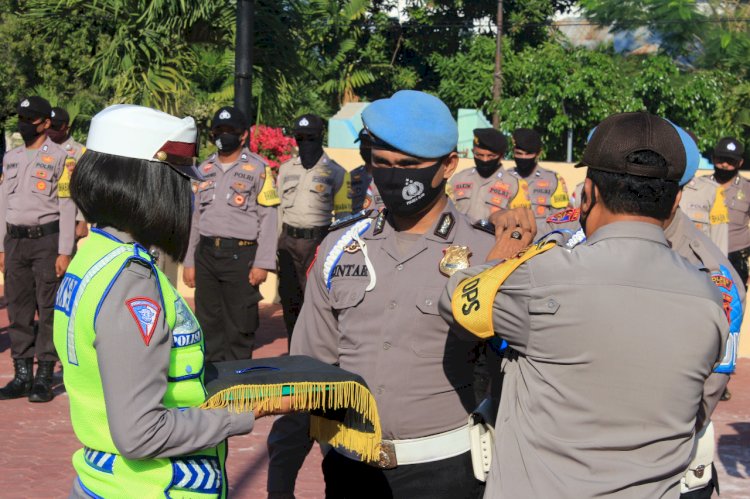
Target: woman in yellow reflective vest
{"type": "Point", "coordinates": [131, 348]}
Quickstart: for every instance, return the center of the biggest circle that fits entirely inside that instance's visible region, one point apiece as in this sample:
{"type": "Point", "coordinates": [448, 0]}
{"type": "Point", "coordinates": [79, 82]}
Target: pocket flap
{"type": "Point", "coordinates": [548, 305]}
{"type": "Point", "coordinates": [427, 300]}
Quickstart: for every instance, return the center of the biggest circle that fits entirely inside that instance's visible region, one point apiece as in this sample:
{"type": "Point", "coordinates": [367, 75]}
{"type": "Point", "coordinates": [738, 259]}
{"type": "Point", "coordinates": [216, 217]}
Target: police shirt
{"type": "Point", "coordinates": [73, 150]}
{"type": "Point", "coordinates": [478, 197]}
{"type": "Point", "coordinates": [547, 191]}
{"type": "Point", "coordinates": [365, 195]}
{"type": "Point", "coordinates": [310, 197]}
{"type": "Point", "coordinates": [703, 201]}
{"type": "Point", "coordinates": [611, 342]}
{"type": "Point", "coordinates": [237, 202]}
{"type": "Point", "coordinates": [30, 194]}
{"type": "Point", "coordinates": [737, 198]}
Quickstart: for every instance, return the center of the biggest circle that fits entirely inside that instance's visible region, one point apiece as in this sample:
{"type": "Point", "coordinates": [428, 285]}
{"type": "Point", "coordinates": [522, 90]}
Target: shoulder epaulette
{"type": "Point", "coordinates": [484, 225]}
{"type": "Point", "coordinates": [349, 220]}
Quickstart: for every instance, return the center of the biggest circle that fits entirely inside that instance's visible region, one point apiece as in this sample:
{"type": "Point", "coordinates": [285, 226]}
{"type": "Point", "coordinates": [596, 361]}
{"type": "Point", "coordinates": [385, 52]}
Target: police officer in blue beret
{"type": "Point", "coordinates": [371, 308]}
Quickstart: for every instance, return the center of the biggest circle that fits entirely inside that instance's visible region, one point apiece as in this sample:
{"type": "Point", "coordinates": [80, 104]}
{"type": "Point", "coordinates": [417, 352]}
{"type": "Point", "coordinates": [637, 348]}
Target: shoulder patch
{"type": "Point", "coordinates": [146, 313]}
{"type": "Point", "coordinates": [349, 220]}
{"type": "Point", "coordinates": [565, 216]}
{"type": "Point", "coordinates": [484, 225]}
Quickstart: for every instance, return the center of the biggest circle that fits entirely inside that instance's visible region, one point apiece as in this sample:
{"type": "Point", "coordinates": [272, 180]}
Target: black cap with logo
{"type": "Point", "coordinates": [230, 117]}
{"type": "Point", "coordinates": [527, 140]}
{"type": "Point", "coordinates": [59, 117]}
{"type": "Point", "coordinates": [729, 147]}
{"type": "Point", "coordinates": [490, 139]}
{"type": "Point", "coordinates": [34, 107]}
{"type": "Point", "coordinates": [308, 124]}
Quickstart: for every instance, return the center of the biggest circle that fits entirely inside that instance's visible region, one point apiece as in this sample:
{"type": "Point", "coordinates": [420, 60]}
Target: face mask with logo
{"type": "Point", "coordinates": [524, 166]}
{"type": "Point", "coordinates": [28, 131]}
{"type": "Point", "coordinates": [310, 151]}
{"type": "Point", "coordinates": [407, 191]}
{"type": "Point", "coordinates": [724, 176]}
{"type": "Point", "coordinates": [57, 136]}
{"type": "Point", "coordinates": [486, 168]}
{"type": "Point", "coordinates": [227, 142]}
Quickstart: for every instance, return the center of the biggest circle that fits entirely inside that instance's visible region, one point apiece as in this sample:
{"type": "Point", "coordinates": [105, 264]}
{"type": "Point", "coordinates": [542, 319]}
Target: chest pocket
{"type": "Point", "coordinates": [239, 194]}
{"type": "Point", "coordinates": [206, 192]}
{"type": "Point", "coordinates": [698, 216]}
{"type": "Point", "coordinates": [426, 343]}
{"type": "Point", "coordinates": [462, 191]}
{"type": "Point", "coordinates": [288, 188]}
{"type": "Point", "coordinates": [41, 180]}
{"type": "Point", "coordinates": [344, 295]}
{"type": "Point", "coordinates": [10, 179]}
{"type": "Point", "coordinates": [741, 205]}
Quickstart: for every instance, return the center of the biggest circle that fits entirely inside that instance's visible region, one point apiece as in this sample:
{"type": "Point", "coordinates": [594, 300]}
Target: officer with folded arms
{"type": "Point", "coordinates": [232, 239]}
{"type": "Point", "coordinates": [371, 307]}
{"type": "Point", "coordinates": [313, 189]}
{"type": "Point", "coordinates": [37, 234]}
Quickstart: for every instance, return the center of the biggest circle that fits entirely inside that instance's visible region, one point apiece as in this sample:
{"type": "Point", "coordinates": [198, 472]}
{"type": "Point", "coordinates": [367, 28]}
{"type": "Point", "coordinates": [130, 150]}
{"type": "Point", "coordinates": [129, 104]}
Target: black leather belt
{"type": "Point", "coordinates": [33, 231]}
{"type": "Point", "coordinates": [226, 242]}
{"type": "Point", "coordinates": [299, 233]}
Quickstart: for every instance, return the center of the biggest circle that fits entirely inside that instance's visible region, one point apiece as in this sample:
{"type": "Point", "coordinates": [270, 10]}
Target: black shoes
{"type": "Point", "coordinates": [20, 385]}
{"type": "Point", "coordinates": [42, 389]}
{"type": "Point", "coordinates": [726, 395]}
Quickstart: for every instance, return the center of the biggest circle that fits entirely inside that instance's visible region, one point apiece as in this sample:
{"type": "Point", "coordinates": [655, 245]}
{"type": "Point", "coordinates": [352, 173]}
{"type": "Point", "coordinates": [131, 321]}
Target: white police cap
{"type": "Point", "coordinates": [143, 133]}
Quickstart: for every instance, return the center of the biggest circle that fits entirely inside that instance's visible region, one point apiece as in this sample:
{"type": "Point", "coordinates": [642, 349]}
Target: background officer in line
{"type": "Point", "coordinates": [59, 132]}
{"type": "Point", "coordinates": [727, 159]}
{"type": "Point", "coordinates": [547, 191]}
{"type": "Point", "coordinates": [486, 188]}
{"type": "Point", "coordinates": [365, 195]}
{"type": "Point", "coordinates": [597, 339]}
{"type": "Point", "coordinates": [371, 307]}
{"type": "Point", "coordinates": [313, 189]}
{"type": "Point", "coordinates": [232, 240]}
{"type": "Point", "coordinates": [37, 233]}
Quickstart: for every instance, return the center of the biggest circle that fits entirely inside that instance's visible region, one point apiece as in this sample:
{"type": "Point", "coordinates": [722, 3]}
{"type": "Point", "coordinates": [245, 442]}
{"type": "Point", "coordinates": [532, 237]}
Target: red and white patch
{"type": "Point", "coordinates": [146, 313]}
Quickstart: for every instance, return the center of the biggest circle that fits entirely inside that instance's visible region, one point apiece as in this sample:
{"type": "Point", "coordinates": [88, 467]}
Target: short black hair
{"type": "Point", "coordinates": [635, 195]}
{"type": "Point", "coordinates": [148, 200]}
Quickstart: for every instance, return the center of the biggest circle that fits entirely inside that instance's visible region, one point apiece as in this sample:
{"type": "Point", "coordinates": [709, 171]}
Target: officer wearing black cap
{"type": "Point", "coordinates": [547, 190]}
{"type": "Point", "coordinates": [480, 191]}
{"type": "Point", "coordinates": [313, 190]}
{"type": "Point", "coordinates": [365, 195]}
{"type": "Point", "coordinates": [37, 237]}
{"type": "Point", "coordinates": [59, 132]}
{"type": "Point", "coordinates": [232, 239]}
{"type": "Point", "coordinates": [728, 159]}
{"type": "Point", "coordinates": [605, 339]}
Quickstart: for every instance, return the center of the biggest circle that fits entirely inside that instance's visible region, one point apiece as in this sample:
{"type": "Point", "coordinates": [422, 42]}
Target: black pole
{"type": "Point", "coordinates": [243, 59]}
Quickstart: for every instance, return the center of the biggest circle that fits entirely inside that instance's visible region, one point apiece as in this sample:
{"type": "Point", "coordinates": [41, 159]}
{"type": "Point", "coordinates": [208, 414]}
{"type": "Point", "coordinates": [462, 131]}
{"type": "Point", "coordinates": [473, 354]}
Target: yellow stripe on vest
{"type": "Point", "coordinates": [473, 298]}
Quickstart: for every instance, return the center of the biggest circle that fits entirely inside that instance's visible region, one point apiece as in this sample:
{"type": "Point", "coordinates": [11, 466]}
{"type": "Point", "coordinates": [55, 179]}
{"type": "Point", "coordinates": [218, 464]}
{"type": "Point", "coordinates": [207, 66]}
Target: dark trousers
{"type": "Point", "coordinates": [738, 259]}
{"type": "Point", "coordinates": [226, 305]}
{"type": "Point", "coordinates": [295, 257]}
{"type": "Point", "coordinates": [450, 478]}
{"type": "Point", "coordinates": [30, 288]}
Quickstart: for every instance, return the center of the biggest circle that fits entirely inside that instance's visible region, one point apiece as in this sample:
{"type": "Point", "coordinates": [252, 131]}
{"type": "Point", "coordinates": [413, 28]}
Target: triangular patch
{"type": "Point", "coordinates": [146, 314]}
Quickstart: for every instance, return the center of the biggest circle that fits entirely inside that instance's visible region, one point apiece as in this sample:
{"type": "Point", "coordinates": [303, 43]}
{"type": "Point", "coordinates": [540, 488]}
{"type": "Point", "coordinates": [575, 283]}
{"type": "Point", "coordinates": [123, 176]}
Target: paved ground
{"type": "Point", "coordinates": [36, 440]}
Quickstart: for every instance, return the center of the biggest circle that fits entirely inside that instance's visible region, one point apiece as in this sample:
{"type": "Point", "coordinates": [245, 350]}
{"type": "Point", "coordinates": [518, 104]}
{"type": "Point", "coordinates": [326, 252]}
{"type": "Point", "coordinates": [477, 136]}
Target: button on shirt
{"type": "Point", "coordinates": [29, 194]}
{"type": "Point", "coordinates": [478, 197]}
{"type": "Point", "coordinates": [227, 206]}
{"type": "Point", "coordinates": [737, 198]}
{"type": "Point", "coordinates": [392, 335]}
{"type": "Point", "coordinates": [607, 382]}
{"type": "Point", "coordinates": [309, 197]}
{"type": "Point", "coordinates": [547, 191]}
{"type": "Point", "coordinates": [703, 201]}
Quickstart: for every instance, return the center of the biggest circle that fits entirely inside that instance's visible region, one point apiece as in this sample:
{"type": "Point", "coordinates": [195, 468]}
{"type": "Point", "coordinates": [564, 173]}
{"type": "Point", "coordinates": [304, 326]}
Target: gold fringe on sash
{"type": "Point", "coordinates": [306, 396]}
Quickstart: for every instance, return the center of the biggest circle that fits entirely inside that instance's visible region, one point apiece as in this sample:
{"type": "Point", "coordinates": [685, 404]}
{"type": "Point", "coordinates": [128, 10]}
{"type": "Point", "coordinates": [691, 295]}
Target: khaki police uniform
{"type": "Point", "coordinates": [365, 195]}
{"type": "Point", "coordinates": [233, 230]}
{"type": "Point", "coordinates": [547, 191]}
{"type": "Point", "coordinates": [371, 308]}
{"type": "Point", "coordinates": [37, 223]}
{"type": "Point", "coordinates": [310, 199]}
{"type": "Point", "coordinates": [703, 201]}
{"type": "Point", "coordinates": [478, 197]}
{"type": "Point", "coordinates": [737, 198]}
{"type": "Point", "coordinates": [73, 150]}
{"type": "Point", "coordinates": [607, 369]}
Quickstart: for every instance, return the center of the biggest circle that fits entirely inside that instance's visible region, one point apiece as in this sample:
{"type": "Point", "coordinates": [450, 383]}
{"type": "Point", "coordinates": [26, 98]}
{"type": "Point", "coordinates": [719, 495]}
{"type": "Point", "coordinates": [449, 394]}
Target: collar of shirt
{"type": "Point", "coordinates": [629, 230]}
{"type": "Point", "coordinates": [388, 229]}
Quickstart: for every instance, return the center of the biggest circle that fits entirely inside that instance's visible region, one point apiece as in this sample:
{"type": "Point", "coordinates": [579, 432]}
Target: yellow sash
{"type": "Point", "coordinates": [473, 298]}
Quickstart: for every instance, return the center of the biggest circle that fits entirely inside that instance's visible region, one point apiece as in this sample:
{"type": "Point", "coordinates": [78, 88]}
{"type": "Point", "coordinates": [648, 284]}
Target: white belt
{"type": "Point", "coordinates": [423, 449]}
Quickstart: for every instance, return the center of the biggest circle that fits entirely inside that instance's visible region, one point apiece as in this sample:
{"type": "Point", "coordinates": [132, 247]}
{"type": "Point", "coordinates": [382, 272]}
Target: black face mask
{"type": "Point", "coordinates": [584, 215]}
{"type": "Point", "coordinates": [408, 191]}
{"type": "Point", "coordinates": [724, 176]}
{"type": "Point", "coordinates": [310, 151]}
{"type": "Point", "coordinates": [57, 136]}
{"type": "Point", "coordinates": [486, 168]}
{"type": "Point", "coordinates": [524, 166]}
{"type": "Point", "coordinates": [28, 131]}
{"type": "Point", "coordinates": [227, 142]}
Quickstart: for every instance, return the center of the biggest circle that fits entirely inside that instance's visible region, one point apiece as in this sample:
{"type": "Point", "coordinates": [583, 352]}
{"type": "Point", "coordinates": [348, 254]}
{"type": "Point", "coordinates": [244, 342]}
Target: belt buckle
{"type": "Point", "coordinates": [386, 456]}
{"type": "Point", "coordinates": [34, 232]}
{"type": "Point", "coordinates": [217, 242]}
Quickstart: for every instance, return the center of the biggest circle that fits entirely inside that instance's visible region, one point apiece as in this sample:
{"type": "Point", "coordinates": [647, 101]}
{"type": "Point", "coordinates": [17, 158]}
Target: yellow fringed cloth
{"type": "Point", "coordinates": [343, 411]}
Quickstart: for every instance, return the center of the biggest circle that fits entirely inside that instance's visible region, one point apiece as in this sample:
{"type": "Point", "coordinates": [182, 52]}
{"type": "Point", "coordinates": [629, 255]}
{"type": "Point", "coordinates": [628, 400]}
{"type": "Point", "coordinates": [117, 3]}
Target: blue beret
{"type": "Point", "coordinates": [692, 155]}
{"type": "Point", "coordinates": [414, 123]}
